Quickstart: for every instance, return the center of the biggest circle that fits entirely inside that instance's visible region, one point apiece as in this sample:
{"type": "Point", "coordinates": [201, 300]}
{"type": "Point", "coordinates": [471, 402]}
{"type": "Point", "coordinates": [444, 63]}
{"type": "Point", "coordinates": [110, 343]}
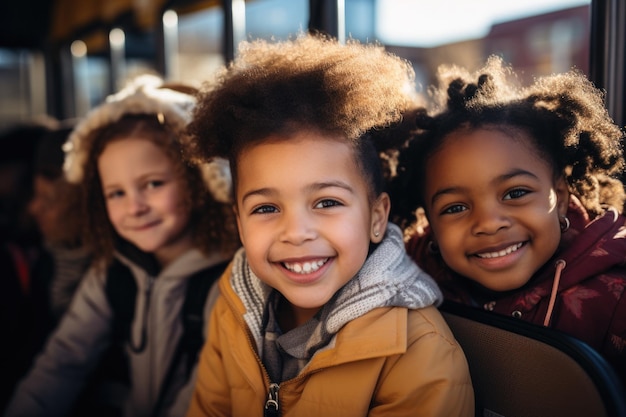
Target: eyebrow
{"type": "Point", "coordinates": [504, 177]}
{"type": "Point", "coordinates": [317, 186]}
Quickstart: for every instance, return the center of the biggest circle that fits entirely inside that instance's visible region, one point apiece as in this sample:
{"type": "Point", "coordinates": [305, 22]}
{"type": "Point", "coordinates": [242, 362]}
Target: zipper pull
{"type": "Point", "coordinates": [272, 408]}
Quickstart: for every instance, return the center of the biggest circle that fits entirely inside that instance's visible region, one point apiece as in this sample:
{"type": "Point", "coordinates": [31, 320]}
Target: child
{"type": "Point", "coordinates": [149, 218]}
{"type": "Point", "coordinates": [519, 189]}
{"type": "Point", "coordinates": [20, 247]}
{"type": "Point", "coordinates": [321, 312]}
{"type": "Point", "coordinates": [55, 206]}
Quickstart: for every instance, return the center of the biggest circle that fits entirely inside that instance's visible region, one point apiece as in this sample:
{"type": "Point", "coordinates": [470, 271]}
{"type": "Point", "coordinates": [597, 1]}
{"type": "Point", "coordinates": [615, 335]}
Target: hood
{"type": "Point", "coordinates": [593, 247]}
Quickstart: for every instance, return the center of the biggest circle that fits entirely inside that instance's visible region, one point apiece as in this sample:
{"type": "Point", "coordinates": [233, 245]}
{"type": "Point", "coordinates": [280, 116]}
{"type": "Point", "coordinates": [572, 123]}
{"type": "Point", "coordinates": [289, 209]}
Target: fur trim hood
{"type": "Point", "coordinates": [146, 94]}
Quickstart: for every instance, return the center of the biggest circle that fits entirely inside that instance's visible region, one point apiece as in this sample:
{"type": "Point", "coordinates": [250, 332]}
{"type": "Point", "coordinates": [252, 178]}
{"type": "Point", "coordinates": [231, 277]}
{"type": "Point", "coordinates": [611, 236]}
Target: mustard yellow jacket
{"type": "Point", "coordinates": [389, 362]}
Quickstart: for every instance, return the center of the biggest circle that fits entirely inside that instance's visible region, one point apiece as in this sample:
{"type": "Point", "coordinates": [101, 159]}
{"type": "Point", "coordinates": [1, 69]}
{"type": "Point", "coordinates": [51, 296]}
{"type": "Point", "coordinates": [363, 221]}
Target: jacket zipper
{"type": "Point", "coordinates": [272, 406]}
{"type": "Point", "coordinates": [144, 321]}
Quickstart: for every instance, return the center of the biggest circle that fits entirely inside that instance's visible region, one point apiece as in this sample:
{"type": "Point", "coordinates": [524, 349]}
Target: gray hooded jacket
{"type": "Point", "coordinates": [74, 349]}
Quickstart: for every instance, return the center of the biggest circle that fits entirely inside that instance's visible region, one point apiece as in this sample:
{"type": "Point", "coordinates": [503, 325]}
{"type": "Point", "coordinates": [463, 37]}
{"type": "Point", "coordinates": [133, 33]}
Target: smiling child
{"type": "Point", "coordinates": [155, 224]}
{"type": "Point", "coordinates": [521, 193]}
{"type": "Point", "coordinates": [321, 312]}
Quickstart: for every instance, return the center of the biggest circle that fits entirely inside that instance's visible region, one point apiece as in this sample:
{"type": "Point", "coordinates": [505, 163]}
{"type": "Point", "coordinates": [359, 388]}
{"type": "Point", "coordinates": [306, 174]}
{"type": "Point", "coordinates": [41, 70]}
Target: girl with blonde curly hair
{"type": "Point", "coordinates": [157, 226]}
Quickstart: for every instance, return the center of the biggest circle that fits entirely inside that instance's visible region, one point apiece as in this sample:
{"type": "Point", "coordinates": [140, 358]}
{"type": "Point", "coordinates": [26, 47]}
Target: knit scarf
{"type": "Point", "coordinates": [388, 278]}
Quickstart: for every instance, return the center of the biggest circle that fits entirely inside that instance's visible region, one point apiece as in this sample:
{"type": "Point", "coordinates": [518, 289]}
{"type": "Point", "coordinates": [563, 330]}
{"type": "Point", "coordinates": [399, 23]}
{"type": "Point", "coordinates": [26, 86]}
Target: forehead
{"type": "Point", "coordinates": [281, 143]}
{"type": "Point", "coordinates": [484, 140]}
{"type": "Point", "coordinates": [474, 156]}
{"type": "Point", "coordinates": [305, 156]}
{"type": "Point", "coordinates": [132, 154]}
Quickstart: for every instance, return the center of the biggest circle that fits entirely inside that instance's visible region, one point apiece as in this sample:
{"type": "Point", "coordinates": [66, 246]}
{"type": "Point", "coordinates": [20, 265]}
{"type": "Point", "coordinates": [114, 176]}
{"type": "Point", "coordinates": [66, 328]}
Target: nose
{"type": "Point", "coordinates": [297, 227]}
{"type": "Point", "coordinates": [488, 219]}
{"type": "Point", "coordinates": [137, 204]}
{"type": "Point", "coordinates": [34, 206]}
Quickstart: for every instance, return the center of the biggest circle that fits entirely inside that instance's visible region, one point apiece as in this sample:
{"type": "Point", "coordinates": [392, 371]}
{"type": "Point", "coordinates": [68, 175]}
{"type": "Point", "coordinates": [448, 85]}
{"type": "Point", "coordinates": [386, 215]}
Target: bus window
{"type": "Point", "coordinates": [22, 82]}
{"type": "Point", "coordinates": [276, 19]}
{"type": "Point", "coordinates": [200, 39]}
{"type": "Point", "coordinates": [536, 37]}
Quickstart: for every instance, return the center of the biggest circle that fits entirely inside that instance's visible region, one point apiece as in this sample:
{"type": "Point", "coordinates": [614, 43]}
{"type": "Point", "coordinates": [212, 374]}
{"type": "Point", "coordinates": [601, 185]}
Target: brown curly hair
{"type": "Point", "coordinates": [49, 166]}
{"type": "Point", "coordinates": [563, 114]}
{"type": "Point", "coordinates": [357, 92]}
{"type": "Point", "coordinates": [214, 223]}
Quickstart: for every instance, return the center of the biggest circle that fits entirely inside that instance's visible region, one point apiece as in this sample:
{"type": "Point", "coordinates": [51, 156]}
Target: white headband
{"type": "Point", "coordinates": [143, 95]}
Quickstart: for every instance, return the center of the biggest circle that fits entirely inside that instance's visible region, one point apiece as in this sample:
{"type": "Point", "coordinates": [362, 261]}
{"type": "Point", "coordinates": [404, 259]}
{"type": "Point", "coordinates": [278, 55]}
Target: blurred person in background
{"type": "Point", "coordinates": [19, 248]}
{"type": "Point", "coordinates": [63, 259]}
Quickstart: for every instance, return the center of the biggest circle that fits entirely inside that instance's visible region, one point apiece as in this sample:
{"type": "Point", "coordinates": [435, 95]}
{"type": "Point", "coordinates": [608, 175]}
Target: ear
{"type": "Point", "coordinates": [380, 216]}
{"type": "Point", "coordinates": [562, 196]}
{"type": "Point", "coordinates": [238, 223]}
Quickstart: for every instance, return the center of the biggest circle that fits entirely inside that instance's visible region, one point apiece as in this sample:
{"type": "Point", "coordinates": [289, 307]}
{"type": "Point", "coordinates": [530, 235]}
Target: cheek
{"type": "Point", "coordinates": [114, 213]}
{"type": "Point", "coordinates": [173, 202]}
{"type": "Point", "coordinates": [447, 239]}
{"type": "Point", "coordinates": [54, 214]}
{"type": "Point", "coordinates": [255, 239]}
{"type": "Point", "coordinates": [553, 236]}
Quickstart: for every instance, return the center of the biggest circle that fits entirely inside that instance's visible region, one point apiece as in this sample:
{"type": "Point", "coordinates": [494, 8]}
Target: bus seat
{"type": "Point", "coordinates": [523, 370]}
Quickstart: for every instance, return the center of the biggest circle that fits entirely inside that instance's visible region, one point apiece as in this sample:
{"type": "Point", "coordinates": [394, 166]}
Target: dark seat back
{"type": "Point", "coordinates": [522, 370]}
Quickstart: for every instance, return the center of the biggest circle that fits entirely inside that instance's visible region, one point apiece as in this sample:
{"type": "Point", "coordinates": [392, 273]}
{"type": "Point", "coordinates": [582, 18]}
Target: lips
{"type": "Point", "coordinates": [145, 226]}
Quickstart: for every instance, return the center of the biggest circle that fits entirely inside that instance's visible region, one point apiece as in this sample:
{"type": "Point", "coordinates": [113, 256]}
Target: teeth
{"type": "Point", "coordinates": [306, 267]}
{"type": "Point", "coordinates": [503, 252]}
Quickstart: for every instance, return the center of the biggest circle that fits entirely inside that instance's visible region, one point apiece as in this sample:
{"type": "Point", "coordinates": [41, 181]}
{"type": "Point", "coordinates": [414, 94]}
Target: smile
{"type": "Point", "coordinates": [145, 226]}
{"type": "Point", "coordinates": [305, 267]}
{"type": "Point", "coordinates": [503, 252]}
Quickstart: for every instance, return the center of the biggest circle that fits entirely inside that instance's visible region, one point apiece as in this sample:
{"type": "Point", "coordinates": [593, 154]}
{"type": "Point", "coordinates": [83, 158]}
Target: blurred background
{"type": "Point", "coordinates": [61, 57]}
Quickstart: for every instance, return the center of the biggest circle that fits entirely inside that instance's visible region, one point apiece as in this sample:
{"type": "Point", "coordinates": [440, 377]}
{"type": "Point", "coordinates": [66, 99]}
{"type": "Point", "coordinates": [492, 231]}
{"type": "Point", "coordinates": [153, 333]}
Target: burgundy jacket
{"type": "Point", "coordinates": [590, 299]}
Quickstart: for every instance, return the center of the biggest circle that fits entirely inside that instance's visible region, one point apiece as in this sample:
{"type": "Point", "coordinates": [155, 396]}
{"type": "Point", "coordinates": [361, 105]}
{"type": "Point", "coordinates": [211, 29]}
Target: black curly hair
{"type": "Point", "coordinates": [564, 115]}
{"type": "Point", "coordinates": [354, 92]}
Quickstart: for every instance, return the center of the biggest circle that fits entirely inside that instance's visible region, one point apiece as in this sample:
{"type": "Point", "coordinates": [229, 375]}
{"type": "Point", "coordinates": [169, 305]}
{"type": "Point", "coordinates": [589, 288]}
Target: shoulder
{"type": "Point", "coordinates": [428, 322]}
{"type": "Point", "coordinates": [434, 370]}
{"type": "Point", "coordinates": [430, 341]}
{"type": "Point", "coordinates": [94, 279]}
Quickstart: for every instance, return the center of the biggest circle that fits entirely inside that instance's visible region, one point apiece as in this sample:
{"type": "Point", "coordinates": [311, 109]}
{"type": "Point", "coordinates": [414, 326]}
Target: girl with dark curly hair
{"type": "Point", "coordinates": [321, 313]}
{"type": "Point", "coordinates": [518, 202]}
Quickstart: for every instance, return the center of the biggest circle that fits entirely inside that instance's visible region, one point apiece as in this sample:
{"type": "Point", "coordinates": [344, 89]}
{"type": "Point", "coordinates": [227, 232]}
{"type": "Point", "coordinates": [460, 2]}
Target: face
{"type": "Point", "coordinates": [494, 207]}
{"type": "Point", "coordinates": [145, 197]}
{"type": "Point", "coordinates": [46, 206]}
{"type": "Point", "coordinates": [305, 217]}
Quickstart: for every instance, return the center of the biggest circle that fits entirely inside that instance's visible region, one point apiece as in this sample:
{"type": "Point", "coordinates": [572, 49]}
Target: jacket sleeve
{"type": "Point", "coordinates": [72, 351]}
{"type": "Point", "coordinates": [614, 348]}
{"type": "Point", "coordinates": [183, 398]}
{"type": "Point", "coordinates": [440, 387]}
{"type": "Point", "coordinates": [211, 381]}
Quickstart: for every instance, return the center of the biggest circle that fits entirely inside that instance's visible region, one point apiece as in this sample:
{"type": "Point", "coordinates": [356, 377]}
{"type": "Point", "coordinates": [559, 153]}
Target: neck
{"type": "Point", "coordinates": [290, 316]}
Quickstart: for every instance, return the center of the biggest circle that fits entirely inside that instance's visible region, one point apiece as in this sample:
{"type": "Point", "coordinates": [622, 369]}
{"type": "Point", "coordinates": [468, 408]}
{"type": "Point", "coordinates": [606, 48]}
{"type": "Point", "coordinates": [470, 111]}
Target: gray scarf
{"type": "Point", "coordinates": [388, 278]}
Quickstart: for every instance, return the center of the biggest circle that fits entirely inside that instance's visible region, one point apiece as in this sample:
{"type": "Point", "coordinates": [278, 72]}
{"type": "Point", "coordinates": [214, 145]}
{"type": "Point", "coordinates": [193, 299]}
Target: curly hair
{"type": "Point", "coordinates": [563, 115]}
{"type": "Point", "coordinates": [214, 223]}
{"type": "Point", "coordinates": [355, 92]}
{"type": "Point", "coordinates": [48, 165]}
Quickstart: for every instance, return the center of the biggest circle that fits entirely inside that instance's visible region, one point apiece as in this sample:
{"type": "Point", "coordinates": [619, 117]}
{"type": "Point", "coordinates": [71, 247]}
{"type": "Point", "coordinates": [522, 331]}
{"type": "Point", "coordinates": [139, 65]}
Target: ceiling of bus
{"type": "Point", "coordinates": [33, 24]}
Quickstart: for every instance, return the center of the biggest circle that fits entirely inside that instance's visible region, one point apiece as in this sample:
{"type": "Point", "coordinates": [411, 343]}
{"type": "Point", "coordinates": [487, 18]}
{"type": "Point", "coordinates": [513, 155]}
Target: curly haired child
{"type": "Point", "coordinates": [160, 221]}
{"type": "Point", "coordinates": [321, 312]}
{"type": "Point", "coordinates": [519, 189]}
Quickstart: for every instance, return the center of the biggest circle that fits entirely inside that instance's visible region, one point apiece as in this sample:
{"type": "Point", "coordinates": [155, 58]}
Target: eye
{"type": "Point", "coordinates": [266, 209]}
{"type": "Point", "coordinates": [456, 208]}
{"type": "Point", "coordinates": [516, 193]}
{"type": "Point", "coordinates": [328, 203]}
{"type": "Point", "coordinates": [154, 184]}
{"type": "Point", "coordinates": [110, 195]}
